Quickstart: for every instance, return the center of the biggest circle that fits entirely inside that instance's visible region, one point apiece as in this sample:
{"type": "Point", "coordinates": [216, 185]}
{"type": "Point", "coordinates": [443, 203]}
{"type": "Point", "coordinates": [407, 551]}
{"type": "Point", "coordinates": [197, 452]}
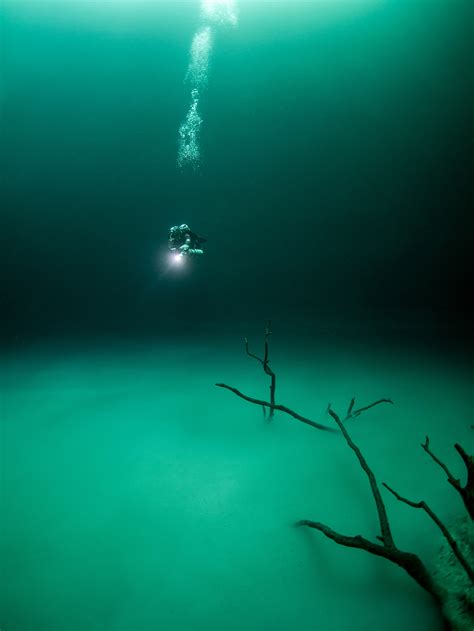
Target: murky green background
{"type": "Point", "coordinates": [333, 190]}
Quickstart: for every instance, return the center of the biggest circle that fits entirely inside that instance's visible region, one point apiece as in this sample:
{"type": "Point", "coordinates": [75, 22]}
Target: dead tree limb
{"type": "Point", "coordinates": [281, 408]}
{"type": "Point", "coordinates": [466, 492]}
{"type": "Point", "coordinates": [452, 542]}
{"type": "Point", "coordinates": [386, 537]}
{"type": "Point", "coordinates": [272, 405]}
{"type": "Point", "coordinates": [290, 412]}
{"type": "Point", "coordinates": [358, 412]}
{"type": "Point", "coordinates": [266, 367]}
{"type": "Point", "coordinates": [411, 563]}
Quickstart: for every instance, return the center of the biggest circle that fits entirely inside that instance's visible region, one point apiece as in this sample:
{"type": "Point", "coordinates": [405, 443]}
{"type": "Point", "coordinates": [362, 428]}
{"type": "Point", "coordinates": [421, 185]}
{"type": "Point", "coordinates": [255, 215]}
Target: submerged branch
{"type": "Point", "coordinates": [406, 560]}
{"type": "Point", "coordinates": [266, 365]}
{"type": "Point", "coordinates": [467, 491]}
{"type": "Point", "coordinates": [381, 510]}
{"type": "Point", "coordinates": [411, 563]}
{"type": "Point", "coordinates": [452, 542]}
{"type": "Point", "coordinates": [272, 405]}
{"type": "Point", "coordinates": [281, 408]}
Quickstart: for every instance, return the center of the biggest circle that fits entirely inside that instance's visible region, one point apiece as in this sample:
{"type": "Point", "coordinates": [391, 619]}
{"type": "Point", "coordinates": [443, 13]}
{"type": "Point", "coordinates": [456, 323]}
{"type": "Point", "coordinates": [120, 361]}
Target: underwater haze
{"type": "Point", "coordinates": [324, 150]}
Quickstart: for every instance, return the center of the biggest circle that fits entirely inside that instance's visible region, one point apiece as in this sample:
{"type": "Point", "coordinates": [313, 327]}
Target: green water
{"type": "Point", "coordinates": [136, 495]}
{"type": "Point", "coordinates": [332, 188]}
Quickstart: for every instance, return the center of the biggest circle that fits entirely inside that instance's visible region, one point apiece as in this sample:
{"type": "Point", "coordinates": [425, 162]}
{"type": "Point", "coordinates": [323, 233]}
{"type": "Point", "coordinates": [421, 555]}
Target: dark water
{"type": "Point", "coordinates": [333, 188]}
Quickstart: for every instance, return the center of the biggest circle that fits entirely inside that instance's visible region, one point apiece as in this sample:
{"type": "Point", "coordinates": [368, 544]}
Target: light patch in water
{"type": "Point", "coordinates": [219, 11]}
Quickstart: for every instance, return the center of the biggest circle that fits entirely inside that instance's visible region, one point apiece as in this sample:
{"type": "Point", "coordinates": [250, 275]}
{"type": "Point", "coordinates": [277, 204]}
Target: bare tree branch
{"type": "Point", "coordinates": [266, 366]}
{"type": "Point", "coordinates": [351, 405]}
{"type": "Point", "coordinates": [281, 408]}
{"type": "Point", "coordinates": [366, 407]}
{"type": "Point", "coordinates": [272, 405]}
{"type": "Point", "coordinates": [466, 492]}
{"type": "Point", "coordinates": [356, 541]}
{"type": "Point", "coordinates": [246, 342]}
{"type": "Point", "coordinates": [286, 410]}
{"type": "Point", "coordinates": [381, 510]}
{"type": "Point", "coordinates": [452, 542]}
{"type": "Point", "coordinates": [406, 560]}
{"type": "Point", "coordinates": [426, 447]}
{"type": "Point", "coordinates": [387, 548]}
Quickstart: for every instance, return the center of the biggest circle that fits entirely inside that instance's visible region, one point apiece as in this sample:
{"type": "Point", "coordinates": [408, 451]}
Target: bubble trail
{"type": "Point", "coordinates": [213, 13]}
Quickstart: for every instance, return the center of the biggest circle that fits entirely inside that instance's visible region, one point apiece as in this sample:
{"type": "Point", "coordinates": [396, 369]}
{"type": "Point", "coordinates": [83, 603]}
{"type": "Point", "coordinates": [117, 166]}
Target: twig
{"type": "Point", "coordinates": [426, 447]}
{"type": "Point", "coordinates": [363, 409]}
{"type": "Point", "coordinates": [266, 365]}
{"type": "Point", "coordinates": [356, 541]}
{"type": "Point", "coordinates": [454, 546]}
{"type": "Point", "coordinates": [466, 492]}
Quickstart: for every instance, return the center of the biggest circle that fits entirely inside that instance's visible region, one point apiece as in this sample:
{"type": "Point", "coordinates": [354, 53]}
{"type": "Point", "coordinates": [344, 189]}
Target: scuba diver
{"type": "Point", "coordinates": [184, 242]}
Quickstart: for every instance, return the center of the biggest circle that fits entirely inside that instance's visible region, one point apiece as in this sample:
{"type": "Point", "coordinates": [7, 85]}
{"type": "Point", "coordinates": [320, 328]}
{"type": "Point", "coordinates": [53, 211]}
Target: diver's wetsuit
{"type": "Point", "coordinates": [185, 241]}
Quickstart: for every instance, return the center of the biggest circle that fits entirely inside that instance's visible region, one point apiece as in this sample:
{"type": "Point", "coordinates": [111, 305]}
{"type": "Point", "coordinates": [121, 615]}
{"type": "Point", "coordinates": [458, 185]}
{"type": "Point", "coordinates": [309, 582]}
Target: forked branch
{"type": "Point", "coordinates": [386, 537]}
{"type": "Point", "coordinates": [467, 491]}
{"type": "Point", "coordinates": [281, 408]}
{"type": "Point", "coordinates": [387, 549]}
{"type": "Point", "coordinates": [266, 367]}
{"type": "Point", "coordinates": [272, 405]}
{"type": "Point", "coordinates": [452, 542]}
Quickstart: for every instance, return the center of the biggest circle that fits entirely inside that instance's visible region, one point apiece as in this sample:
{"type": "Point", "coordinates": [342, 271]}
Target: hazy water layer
{"type": "Point", "coordinates": [137, 495]}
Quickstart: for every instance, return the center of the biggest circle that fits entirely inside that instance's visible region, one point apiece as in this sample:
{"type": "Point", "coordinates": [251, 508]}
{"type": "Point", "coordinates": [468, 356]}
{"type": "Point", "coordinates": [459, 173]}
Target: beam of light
{"type": "Point", "coordinates": [177, 259]}
{"type": "Point", "coordinates": [170, 264]}
{"type": "Point", "coordinates": [213, 12]}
